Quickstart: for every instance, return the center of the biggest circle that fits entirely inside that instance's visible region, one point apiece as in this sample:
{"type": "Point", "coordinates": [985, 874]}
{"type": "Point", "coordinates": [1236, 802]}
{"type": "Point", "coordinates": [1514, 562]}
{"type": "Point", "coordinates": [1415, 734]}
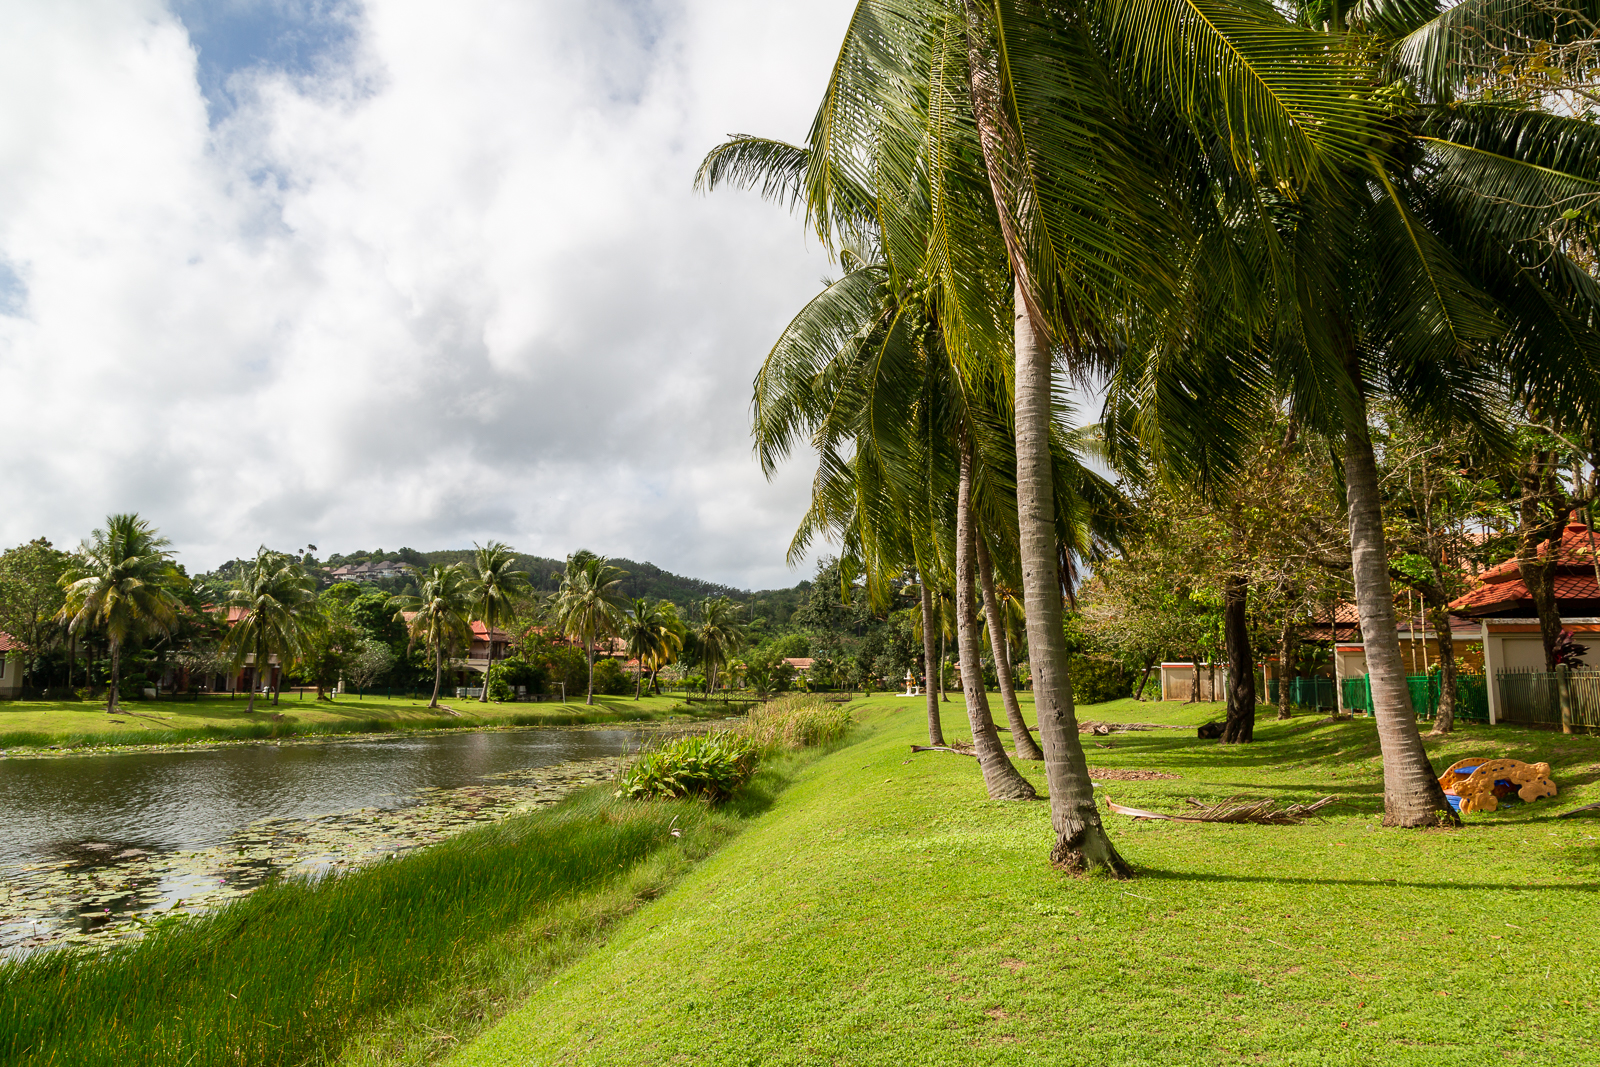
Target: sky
{"type": "Point", "coordinates": [385, 273]}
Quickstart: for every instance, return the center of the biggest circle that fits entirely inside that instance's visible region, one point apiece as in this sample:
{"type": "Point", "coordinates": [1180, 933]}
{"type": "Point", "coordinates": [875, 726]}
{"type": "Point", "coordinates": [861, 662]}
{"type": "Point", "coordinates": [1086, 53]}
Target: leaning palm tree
{"type": "Point", "coordinates": [719, 634]}
{"type": "Point", "coordinates": [439, 616]}
{"type": "Point", "coordinates": [674, 633]}
{"type": "Point", "coordinates": [277, 604]}
{"type": "Point", "coordinates": [123, 583]}
{"type": "Point", "coordinates": [648, 629]}
{"type": "Point", "coordinates": [589, 603]}
{"type": "Point", "coordinates": [495, 587]}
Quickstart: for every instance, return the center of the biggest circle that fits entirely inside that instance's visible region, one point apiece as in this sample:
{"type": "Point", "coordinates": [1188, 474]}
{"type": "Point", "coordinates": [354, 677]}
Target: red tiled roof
{"type": "Point", "coordinates": [11, 644]}
{"type": "Point", "coordinates": [1501, 588]}
{"type": "Point", "coordinates": [480, 633]}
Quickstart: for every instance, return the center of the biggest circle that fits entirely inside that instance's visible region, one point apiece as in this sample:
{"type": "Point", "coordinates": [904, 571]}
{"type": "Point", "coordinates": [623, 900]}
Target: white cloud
{"type": "Point", "coordinates": [453, 286]}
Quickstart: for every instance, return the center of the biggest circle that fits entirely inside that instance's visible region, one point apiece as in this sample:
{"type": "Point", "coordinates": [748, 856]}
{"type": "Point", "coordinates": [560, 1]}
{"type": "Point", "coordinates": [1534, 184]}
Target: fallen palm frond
{"type": "Point", "coordinates": [1089, 726]}
{"type": "Point", "coordinates": [953, 749]}
{"type": "Point", "coordinates": [1575, 811]}
{"type": "Point", "coordinates": [1234, 809]}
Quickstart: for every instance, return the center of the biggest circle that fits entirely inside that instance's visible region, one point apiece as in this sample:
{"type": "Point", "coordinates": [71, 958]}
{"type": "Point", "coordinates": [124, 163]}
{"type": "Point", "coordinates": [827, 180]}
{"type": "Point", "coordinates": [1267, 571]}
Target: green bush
{"type": "Point", "coordinates": [709, 767]}
{"type": "Point", "coordinates": [499, 690]}
{"type": "Point", "coordinates": [1096, 679]}
{"type": "Point", "coordinates": [610, 679]}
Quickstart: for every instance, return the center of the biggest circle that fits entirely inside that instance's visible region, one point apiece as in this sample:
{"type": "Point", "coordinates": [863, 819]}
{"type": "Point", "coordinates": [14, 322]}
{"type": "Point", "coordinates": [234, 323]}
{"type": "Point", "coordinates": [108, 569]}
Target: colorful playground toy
{"type": "Point", "coordinates": [1478, 784]}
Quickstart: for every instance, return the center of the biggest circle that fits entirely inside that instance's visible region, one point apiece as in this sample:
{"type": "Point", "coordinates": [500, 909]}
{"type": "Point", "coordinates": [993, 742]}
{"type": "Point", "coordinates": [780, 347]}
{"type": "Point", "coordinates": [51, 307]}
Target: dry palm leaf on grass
{"type": "Point", "coordinates": [1234, 809]}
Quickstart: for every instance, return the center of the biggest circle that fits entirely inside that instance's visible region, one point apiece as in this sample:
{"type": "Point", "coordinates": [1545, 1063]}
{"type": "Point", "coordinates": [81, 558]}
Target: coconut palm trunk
{"type": "Point", "coordinates": [935, 727]}
{"type": "Point", "coordinates": [1022, 741]}
{"type": "Point", "coordinates": [1240, 726]}
{"type": "Point", "coordinates": [588, 648]}
{"type": "Point", "coordinates": [1000, 777]}
{"type": "Point", "coordinates": [438, 674]}
{"type": "Point", "coordinates": [1081, 841]}
{"type": "Point", "coordinates": [116, 676]}
{"type": "Point", "coordinates": [1411, 793]}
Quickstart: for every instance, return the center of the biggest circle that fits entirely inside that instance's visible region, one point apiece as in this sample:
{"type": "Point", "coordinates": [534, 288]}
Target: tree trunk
{"type": "Point", "coordinates": [1240, 726]}
{"type": "Point", "coordinates": [1021, 740]}
{"type": "Point", "coordinates": [1194, 686]}
{"type": "Point", "coordinates": [935, 727]}
{"type": "Point", "coordinates": [943, 696]}
{"type": "Point", "coordinates": [1444, 719]}
{"type": "Point", "coordinates": [483, 697]}
{"type": "Point", "coordinates": [1081, 841]}
{"type": "Point", "coordinates": [438, 674]}
{"type": "Point", "coordinates": [250, 705]}
{"type": "Point", "coordinates": [116, 677]}
{"type": "Point", "coordinates": [1288, 664]}
{"type": "Point", "coordinates": [588, 648]}
{"type": "Point", "coordinates": [1138, 694]}
{"type": "Point", "coordinates": [1533, 531]}
{"type": "Point", "coordinates": [1002, 779]}
{"type": "Point", "coordinates": [1411, 793]}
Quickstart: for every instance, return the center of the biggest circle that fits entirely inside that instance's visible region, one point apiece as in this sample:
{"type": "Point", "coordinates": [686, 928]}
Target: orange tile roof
{"type": "Point", "coordinates": [1501, 589]}
{"type": "Point", "coordinates": [11, 644]}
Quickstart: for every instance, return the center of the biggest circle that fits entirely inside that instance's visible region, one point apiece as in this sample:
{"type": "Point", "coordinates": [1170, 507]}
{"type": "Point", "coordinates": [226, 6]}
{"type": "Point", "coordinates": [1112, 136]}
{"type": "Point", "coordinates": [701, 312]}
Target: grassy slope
{"type": "Point", "coordinates": [884, 912]}
{"type": "Point", "coordinates": [162, 722]}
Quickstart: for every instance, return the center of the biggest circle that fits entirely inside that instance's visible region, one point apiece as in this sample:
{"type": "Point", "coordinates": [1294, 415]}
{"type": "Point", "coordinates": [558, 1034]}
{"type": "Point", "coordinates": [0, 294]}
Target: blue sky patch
{"type": "Point", "coordinates": [293, 36]}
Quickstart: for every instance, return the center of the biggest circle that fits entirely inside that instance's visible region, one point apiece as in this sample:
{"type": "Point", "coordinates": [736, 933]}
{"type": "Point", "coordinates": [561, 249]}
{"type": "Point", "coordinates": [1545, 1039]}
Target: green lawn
{"type": "Point", "coordinates": [25, 723]}
{"type": "Point", "coordinates": [884, 912]}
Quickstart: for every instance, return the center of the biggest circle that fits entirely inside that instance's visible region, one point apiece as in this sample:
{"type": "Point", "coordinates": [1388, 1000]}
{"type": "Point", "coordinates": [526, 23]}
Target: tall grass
{"type": "Point", "coordinates": [284, 975]}
{"type": "Point", "coordinates": [801, 720]}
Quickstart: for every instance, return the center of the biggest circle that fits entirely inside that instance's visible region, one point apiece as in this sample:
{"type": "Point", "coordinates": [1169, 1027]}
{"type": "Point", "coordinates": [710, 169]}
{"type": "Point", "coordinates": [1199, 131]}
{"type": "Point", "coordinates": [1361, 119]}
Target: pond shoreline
{"type": "Point", "coordinates": [322, 737]}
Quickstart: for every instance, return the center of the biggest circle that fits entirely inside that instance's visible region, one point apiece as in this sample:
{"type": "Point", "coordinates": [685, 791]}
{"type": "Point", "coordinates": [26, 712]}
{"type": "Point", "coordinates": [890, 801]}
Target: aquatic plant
{"type": "Point", "coordinates": [709, 767]}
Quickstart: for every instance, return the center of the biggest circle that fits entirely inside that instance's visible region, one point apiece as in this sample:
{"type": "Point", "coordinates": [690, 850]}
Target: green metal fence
{"type": "Point", "coordinates": [1314, 692]}
{"type": "Point", "coordinates": [1472, 696]}
{"type": "Point", "coordinates": [1533, 697]}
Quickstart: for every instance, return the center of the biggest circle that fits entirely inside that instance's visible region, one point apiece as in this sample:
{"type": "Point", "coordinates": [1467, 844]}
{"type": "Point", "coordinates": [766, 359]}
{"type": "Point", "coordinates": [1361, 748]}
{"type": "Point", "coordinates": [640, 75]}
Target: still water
{"type": "Point", "coordinates": [91, 840]}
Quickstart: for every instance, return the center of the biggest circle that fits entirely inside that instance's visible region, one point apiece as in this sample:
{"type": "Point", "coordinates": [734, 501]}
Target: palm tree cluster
{"type": "Point", "coordinates": [1217, 209]}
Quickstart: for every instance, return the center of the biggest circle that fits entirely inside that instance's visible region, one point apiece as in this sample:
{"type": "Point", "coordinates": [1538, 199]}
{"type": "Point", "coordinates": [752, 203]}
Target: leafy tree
{"type": "Point", "coordinates": [368, 661]}
{"type": "Point", "coordinates": [589, 604]}
{"type": "Point", "coordinates": [30, 594]}
{"type": "Point", "coordinates": [122, 583]}
{"type": "Point", "coordinates": [277, 600]}
{"type": "Point", "coordinates": [439, 616]}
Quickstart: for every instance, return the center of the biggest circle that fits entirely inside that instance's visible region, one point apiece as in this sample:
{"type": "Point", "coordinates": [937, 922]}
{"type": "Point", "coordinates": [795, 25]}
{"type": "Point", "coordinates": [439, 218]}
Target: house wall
{"type": "Point", "coordinates": [1177, 682]}
{"type": "Point", "coordinates": [10, 676]}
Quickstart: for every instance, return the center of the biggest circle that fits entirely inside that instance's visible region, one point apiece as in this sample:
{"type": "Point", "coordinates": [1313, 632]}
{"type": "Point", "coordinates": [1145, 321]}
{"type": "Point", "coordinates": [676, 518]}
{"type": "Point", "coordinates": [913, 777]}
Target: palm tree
{"type": "Point", "coordinates": [650, 628]}
{"type": "Point", "coordinates": [589, 603]}
{"type": "Point", "coordinates": [494, 589]}
{"type": "Point", "coordinates": [122, 582]}
{"type": "Point", "coordinates": [439, 616]}
{"type": "Point", "coordinates": [277, 604]}
{"type": "Point", "coordinates": [719, 634]}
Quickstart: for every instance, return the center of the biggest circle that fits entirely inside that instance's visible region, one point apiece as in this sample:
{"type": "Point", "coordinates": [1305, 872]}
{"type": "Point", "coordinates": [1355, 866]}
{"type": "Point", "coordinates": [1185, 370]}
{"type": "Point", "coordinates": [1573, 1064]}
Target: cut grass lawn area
{"type": "Point", "coordinates": [884, 912]}
{"type": "Point", "coordinates": [39, 723]}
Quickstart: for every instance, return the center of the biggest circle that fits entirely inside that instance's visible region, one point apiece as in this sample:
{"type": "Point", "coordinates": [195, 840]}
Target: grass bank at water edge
{"type": "Point", "coordinates": [885, 912]}
{"type": "Point", "coordinates": [29, 727]}
{"type": "Point", "coordinates": [393, 963]}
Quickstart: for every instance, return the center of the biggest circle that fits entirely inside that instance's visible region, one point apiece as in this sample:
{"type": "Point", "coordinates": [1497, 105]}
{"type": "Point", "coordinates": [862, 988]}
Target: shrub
{"type": "Point", "coordinates": [499, 690]}
{"type": "Point", "coordinates": [1096, 680]}
{"type": "Point", "coordinates": [709, 767]}
{"type": "Point", "coordinates": [610, 679]}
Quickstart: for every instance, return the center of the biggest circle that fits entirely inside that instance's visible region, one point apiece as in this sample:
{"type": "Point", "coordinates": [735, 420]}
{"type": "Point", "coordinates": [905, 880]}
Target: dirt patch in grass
{"type": "Point", "coordinates": [1128, 774]}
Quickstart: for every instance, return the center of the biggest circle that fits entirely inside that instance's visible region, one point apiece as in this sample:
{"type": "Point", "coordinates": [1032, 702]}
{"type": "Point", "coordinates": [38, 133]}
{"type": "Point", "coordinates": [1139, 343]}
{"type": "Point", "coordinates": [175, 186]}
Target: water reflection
{"type": "Point", "coordinates": [170, 800]}
{"type": "Point", "coordinates": [93, 843]}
